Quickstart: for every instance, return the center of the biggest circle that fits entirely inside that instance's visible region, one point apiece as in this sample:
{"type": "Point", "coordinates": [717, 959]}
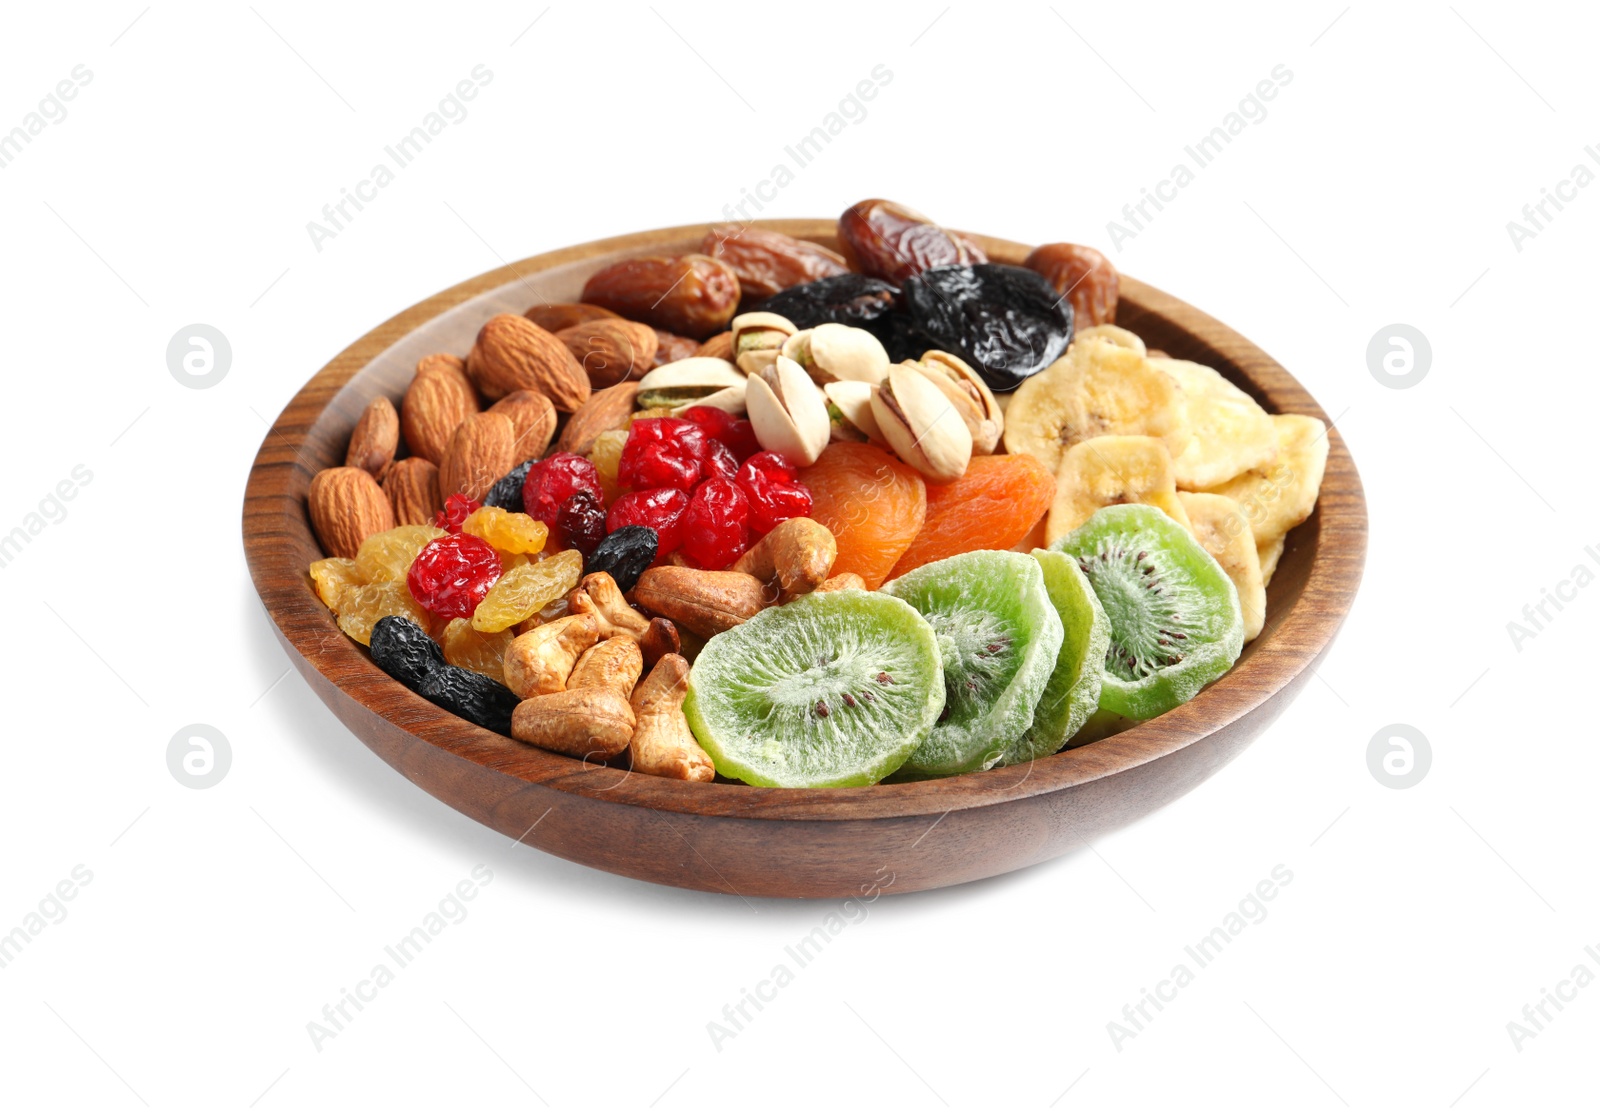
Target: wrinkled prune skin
{"type": "Point", "coordinates": [846, 299]}
{"type": "Point", "coordinates": [625, 553]}
{"type": "Point", "coordinates": [1007, 322]}
{"type": "Point", "coordinates": [507, 491]}
{"type": "Point", "coordinates": [899, 335]}
{"type": "Point", "coordinates": [404, 651]}
{"type": "Point", "coordinates": [482, 700]}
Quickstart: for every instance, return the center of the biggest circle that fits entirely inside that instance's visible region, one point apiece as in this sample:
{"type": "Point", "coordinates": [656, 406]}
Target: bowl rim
{"type": "Point", "coordinates": [274, 513]}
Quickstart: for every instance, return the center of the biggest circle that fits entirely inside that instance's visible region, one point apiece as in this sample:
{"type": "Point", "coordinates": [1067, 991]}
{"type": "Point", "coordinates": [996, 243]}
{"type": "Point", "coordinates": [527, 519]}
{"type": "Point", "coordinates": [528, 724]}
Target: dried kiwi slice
{"type": "Point", "coordinates": [1073, 692]}
{"type": "Point", "coordinates": [835, 689]}
{"type": "Point", "coordinates": [999, 635]}
{"type": "Point", "coordinates": [1175, 619]}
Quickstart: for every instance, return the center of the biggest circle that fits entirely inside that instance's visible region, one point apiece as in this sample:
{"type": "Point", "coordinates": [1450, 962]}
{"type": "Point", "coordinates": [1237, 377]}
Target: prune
{"type": "Point", "coordinates": [507, 491]}
{"type": "Point", "coordinates": [767, 262]}
{"type": "Point", "coordinates": [470, 696]}
{"type": "Point", "coordinates": [899, 335]}
{"type": "Point", "coordinates": [847, 299]}
{"type": "Point", "coordinates": [404, 651]}
{"type": "Point", "coordinates": [892, 242]}
{"type": "Point", "coordinates": [1082, 276]}
{"type": "Point", "coordinates": [1007, 322]}
{"type": "Point", "coordinates": [624, 554]}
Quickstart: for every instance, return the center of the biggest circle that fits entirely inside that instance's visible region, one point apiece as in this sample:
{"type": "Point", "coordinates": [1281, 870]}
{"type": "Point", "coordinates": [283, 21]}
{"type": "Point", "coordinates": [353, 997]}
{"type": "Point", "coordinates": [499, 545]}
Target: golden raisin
{"type": "Point", "coordinates": [331, 575]}
{"type": "Point", "coordinates": [388, 555]}
{"type": "Point", "coordinates": [509, 531]}
{"type": "Point", "coordinates": [360, 607]}
{"type": "Point", "coordinates": [474, 650]}
{"type": "Point", "coordinates": [526, 589]}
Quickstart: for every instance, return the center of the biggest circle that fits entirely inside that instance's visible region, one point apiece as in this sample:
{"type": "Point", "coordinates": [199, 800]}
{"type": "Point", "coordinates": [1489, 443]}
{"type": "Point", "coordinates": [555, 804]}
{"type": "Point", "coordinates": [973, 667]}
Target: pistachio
{"type": "Point", "coordinates": [850, 411]}
{"type": "Point", "coordinates": [831, 352]}
{"type": "Point", "coordinates": [921, 424]}
{"type": "Point", "coordinates": [689, 381]}
{"type": "Point", "coordinates": [757, 339]}
{"type": "Point", "coordinates": [969, 394]}
{"type": "Point", "coordinates": [788, 412]}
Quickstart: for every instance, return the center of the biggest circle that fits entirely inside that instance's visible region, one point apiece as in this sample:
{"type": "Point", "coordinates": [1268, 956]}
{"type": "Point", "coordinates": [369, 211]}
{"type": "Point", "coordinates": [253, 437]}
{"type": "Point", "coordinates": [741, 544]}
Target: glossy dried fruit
{"type": "Point", "coordinates": [481, 652]}
{"type": "Point", "coordinates": [606, 455]}
{"type": "Point", "coordinates": [527, 589]}
{"type": "Point", "coordinates": [663, 453]}
{"type": "Point", "coordinates": [694, 295]}
{"type": "Point", "coordinates": [992, 507]}
{"type": "Point", "coordinates": [507, 531]}
{"type": "Point", "coordinates": [473, 697]}
{"type": "Point", "coordinates": [330, 576]}
{"type": "Point", "coordinates": [845, 299]}
{"type": "Point", "coordinates": [1084, 276]}
{"type": "Point", "coordinates": [362, 606]}
{"type": "Point", "coordinates": [731, 430]}
{"type": "Point", "coordinates": [552, 481]}
{"type": "Point", "coordinates": [455, 511]}
{"type": "Point", "coordinates": [720, 461]}
{"type": "Point", "coordinates": [625, 553]}
{"type": "Point", "coordinates": [388, 556]}
{"type": "Point", "coordinates": [873, 504]}
{"type": "Point", "coordinates": [892, 242]}
{"type": "Point", "coordinates": [767, 262]}
{"type": "Point", "coordinates": [507, 491]}
{"type": "Point", "coordinates": [452, 574]}
{"type": "Point", "coordinates": [581, 522]}
{"type": "Point", "coordinates": [774, 490]}
{"type": "Point", "coordinates": [404, 650]}
{"type": "Point", "coordinates": [716, 524]}
{"type": "Point", "coordinates": [660, 509]}
{"type": "Point", "coordinates": [1007, 322]}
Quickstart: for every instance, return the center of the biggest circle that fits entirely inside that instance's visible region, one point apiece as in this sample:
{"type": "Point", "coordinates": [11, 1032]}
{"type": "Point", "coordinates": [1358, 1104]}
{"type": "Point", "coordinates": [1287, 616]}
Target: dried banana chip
{"type": "Point", "coordinates": [1232, 434]}
{"type": "Point", "coordinates": [1223, 532]}
{"type": "Point", "coordinates": [1110, 470]}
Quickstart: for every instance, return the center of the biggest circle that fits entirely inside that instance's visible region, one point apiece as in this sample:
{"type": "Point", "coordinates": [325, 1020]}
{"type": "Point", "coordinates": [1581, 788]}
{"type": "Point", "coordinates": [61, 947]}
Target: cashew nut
{"type": "Point", "coordinates": [592, 717]}
{"type": "Point", "coordinates": [598, 595]}
{"type": "Point", "coordinates": [799, 553]}
{"type": "Point", "coordinates": [662, 743]}
{"type": "Point", "coordinates": [702, 601]}
{"type": "Point", "coordinates": [539, 661]}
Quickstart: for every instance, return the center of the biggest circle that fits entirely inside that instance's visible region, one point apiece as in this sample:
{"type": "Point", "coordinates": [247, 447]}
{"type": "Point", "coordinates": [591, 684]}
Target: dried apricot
{"type": "Point", "coordinates": [507, 531]}
{"type": "Point", "coordinates": [361, 606]}
{"type": "Point", "coordinates": [388, 555]}
{"type": "Point", "coordinates": [331, 575]}
{"type": "Point", "coordinates": [992, 507]}
{"type": "Point", "coordinates": [475, 650]}
{"type": "Point", "coordinates": [526, 589]}
{"type": "Point", "coordinates": [874, 504]}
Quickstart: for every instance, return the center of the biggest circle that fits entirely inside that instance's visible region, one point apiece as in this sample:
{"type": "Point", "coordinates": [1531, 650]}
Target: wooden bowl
{"type": "Point", "coordinates": [754, 841]}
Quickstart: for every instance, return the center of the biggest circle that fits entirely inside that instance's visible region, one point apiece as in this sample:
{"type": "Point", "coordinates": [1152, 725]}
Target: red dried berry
{"type": "Point", "coordinates": [581, 523]}
{"type": "Point", "coordinates": [776, 494]}
{"type": "Point", "coordinates": [660, 509]}
{"type": "Point", "coordinates": [720, 462]}
{"type": "Point", "coordinates": [456, 509]}
{"type": "Point", "coordinates": [452, 574]}
{"type": "Point", "coordinates": [552, 482]}
{"type": "Point", "coordinates": [662, 453]}
{"type": "Point", "coordinates": [716, 525]}
{"type": "Point", "coordinates": [736, 433]}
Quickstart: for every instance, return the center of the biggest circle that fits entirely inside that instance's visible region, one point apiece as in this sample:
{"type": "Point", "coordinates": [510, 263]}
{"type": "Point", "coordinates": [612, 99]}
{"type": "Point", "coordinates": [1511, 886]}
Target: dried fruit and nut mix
{"type": "Point", "coordinates": [797, 517]}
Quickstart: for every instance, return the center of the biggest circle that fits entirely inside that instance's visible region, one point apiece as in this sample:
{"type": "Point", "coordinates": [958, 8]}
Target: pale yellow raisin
{"type": "Point", "coordinates": [331, 575]}
{"type": "Point", "coordinates": [474, 650]}
{"type": "Point", "coordinates": [523, 591]}
{"type": "Point", "coordinates": [360, 607]}
{"type": "Point", "coordinates": [388, 556]}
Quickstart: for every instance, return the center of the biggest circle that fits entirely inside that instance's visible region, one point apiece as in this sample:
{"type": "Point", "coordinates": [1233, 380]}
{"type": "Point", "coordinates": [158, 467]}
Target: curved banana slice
{"type": "Point", "coordinates": [1122, 338]}
{"type": "Point", "coordinates": [1232, 434]}
{"type": "Point", "coordinates": [1104, 471]}
{"type": "Point", "coordinates": [1097, 388]}
{"type": "Point", "coordinates": [1281, 496]}
{"type": "Point", "coordinates": [1269, 555]}
{"type": "Point", "coordinates": [1223, 532]}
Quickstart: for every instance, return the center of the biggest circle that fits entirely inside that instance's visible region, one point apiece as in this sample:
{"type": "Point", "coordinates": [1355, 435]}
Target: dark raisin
{"type": "Point", "coordinates": [847, 299]}
{"type": "Point", "coordinates": [470, 696]}
{"type": "Point", "coordinates": [507, 491]}
{"type": "Point", "coordinates": [625, 553]}
{"type": "Point", "coordinates": [582, 521]}
{"type": "Point", "coordinates": [404, 651]}
{"type": "Point", "coordinates": [1007, 322]}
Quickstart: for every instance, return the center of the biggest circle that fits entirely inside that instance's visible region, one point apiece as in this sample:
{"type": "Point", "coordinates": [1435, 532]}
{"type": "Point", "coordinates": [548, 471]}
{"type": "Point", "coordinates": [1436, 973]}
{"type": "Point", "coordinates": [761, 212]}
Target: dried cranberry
{"type": "Point", "coordinates": [452, 574]}
{"type": "Point", "coordinates": [716, 525]}
{"type": "Point", "coordinates": [776, 494]}
{"type": "Point", "coordinates": [456, 509]}
{"type": "Point", "coordinates": [662, 453]}
{"type": "Point", "coordinates": [660, 509]}
{"type": "Point", "coordinates": [581, 523]}
{"type": "Point", "coordinates": [720, 461]}
{"type": "Point", "coordinates": [552, 482]}
{"type": "Point", "coordinates": [736, 433]}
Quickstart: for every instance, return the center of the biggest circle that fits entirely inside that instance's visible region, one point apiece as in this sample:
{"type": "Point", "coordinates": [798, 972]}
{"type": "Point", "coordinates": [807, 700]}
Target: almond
{"type": "Point", "coordinates": [533, 418]}
{"type": "Point", "coordinates": [480, 453]}
{"type": "Point", "coordinates": [611, 351]}
{"type": "Point", "coordinates": [514, 354]}
{"type": "Point", "coordinates": [556, 316]}
{"type": "Point", "coordinates": [413, 490]}
{"type": "Point", "coordinates": [375, 439]}
{"type": "Point", "coordinates": [605, 410]}
{"type": "Point", "coordinates": [439, 399]}
{"type": "Point", "coordinates": [720, 346]}
{"type": "Point", "coordinates": [346, 505]}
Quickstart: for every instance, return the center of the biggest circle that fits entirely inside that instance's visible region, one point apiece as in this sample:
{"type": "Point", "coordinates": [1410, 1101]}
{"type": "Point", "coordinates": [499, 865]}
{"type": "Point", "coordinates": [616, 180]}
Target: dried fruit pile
{"type": "Point", "coordinates": [779, 479]}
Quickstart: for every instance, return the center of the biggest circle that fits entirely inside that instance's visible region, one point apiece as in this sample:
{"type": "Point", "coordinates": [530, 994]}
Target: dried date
{"type": "Point", "coordinates": [694, 295]}
{"type": "Point", "coordinates": [670, 347]}
{"type": "Point", "coordinates": [1085, 277]}
{"type": "Point", "coordinates": [767, 262]}
{"type": "Point", "coordinates": [891, 242]}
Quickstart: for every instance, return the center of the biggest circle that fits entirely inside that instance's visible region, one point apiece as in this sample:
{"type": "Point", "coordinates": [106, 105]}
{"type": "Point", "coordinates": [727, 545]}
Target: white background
{"type": "Point", "coordinates": [219, 922]}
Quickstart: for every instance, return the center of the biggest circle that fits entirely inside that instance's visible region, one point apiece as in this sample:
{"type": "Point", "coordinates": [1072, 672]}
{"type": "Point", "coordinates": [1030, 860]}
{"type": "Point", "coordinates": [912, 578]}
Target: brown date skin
{"type": "Point", "coordinates": [670, 347]}
{"type": "Point", "coordinates": [767, 262]}
{"type": "Point", "coordinates": [694, 294]}
{"type": "Point", "coordinates": [888, 241]}
{"type": "Point", "coordinates": [553, 317]}
{"type": "Point", "coordinates": [1086, 277]}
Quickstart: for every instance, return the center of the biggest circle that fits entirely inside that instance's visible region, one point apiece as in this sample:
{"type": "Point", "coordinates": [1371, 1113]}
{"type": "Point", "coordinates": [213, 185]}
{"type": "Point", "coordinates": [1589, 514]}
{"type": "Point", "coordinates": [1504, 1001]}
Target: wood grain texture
{"type": "Point", "coordinates": [756, 841]}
